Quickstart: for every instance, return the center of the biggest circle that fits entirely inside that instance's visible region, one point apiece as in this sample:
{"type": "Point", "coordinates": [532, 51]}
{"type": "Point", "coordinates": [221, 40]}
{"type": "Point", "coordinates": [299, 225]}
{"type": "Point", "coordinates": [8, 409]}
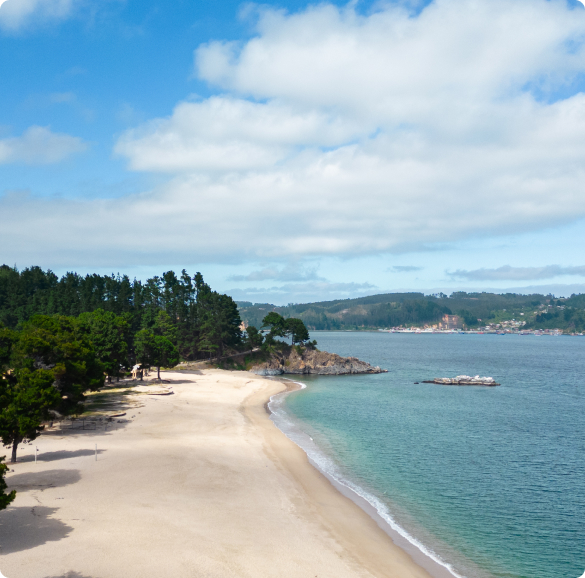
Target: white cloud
{"type": "Point", "coordinates": [518, 273]}
{"type": "Point", "coordinates": [342, 134]}
{"type": "Point", "coordinates": [394, 67]}
{"type": "Point", "coordinates": [38, 145]}
{"type": "Point", "coordinates": [229, 134]}
{"type": "Point", "coordinates": [16, 13]}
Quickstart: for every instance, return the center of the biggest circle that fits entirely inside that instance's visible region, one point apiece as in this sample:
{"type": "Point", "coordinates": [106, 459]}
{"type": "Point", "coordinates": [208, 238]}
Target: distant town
{"type": "Point", "coordinates": [454, 324]}
{"type": "Point", "coordinates": [460, 312]}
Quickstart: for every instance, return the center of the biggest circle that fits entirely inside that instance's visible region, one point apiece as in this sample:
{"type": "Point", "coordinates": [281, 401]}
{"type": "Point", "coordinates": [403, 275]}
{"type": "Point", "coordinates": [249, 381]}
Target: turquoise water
{"type": "Point", "coordinates": [490, 479]}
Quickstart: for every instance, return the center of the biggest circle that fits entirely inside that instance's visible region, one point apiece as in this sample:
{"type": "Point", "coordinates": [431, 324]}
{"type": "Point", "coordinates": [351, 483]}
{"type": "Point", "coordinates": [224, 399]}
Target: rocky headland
{"type": "Point", "coordinates": [311, 361]}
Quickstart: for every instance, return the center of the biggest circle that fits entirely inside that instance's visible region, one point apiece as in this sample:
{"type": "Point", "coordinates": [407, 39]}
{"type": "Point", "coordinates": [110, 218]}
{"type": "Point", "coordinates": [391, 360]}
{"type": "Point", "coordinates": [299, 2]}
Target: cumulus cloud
{"type": "Point", "coordinates": [396, 67]}
{"type": "Point", "coordinates": [229, 134]}
{"type": "Point", "coordinates": [38, 145]}
{"type": "Point", "coordinates": [507, 272]}
{"type": "Point", "coordinates": [16, 13]}
{"type": "Point", "coordinates": [342, 134]}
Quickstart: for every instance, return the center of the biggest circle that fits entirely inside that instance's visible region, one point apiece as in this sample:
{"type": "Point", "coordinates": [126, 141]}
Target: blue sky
{"type": "Point", "coordinates": [294, 151]}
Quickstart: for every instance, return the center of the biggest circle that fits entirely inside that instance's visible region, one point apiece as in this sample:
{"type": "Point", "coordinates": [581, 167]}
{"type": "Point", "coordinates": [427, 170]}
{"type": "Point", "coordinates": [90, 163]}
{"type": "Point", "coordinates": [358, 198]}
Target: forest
{"type": "Point", "coordinates": [62, 337]}
{"type": "Point", "coordinates": [199, 321]}
{"type": "Point", "coordinates": [416, 310]}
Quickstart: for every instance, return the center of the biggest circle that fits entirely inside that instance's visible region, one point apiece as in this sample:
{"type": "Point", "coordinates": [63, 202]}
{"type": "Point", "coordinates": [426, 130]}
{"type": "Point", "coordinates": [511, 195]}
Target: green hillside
{"type": "Point", "coordinates": [416, 310]}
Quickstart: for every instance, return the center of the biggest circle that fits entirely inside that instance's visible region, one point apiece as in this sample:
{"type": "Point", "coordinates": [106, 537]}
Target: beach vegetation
{"type": "Point", "coordinates": [297, 330]}
{"type": "Point", "coordinates": [219, 323]}
{"type": "Point", "coordinates": [253, 337]}
{"type": "Point", "coordinates": [109, 334]}
{"type": "Point", "coordinates": [5, 497]}
{"type": "Point", "coordinates": [52, 363]}
{"type": "Point", "coordinates": [280, 327]}
{"type": "Point", "coordinates": [182, 308]}
{"type": "Point", "coordinates": [276, 324]}
{"type": "Point", "coordinates": [155, 350]}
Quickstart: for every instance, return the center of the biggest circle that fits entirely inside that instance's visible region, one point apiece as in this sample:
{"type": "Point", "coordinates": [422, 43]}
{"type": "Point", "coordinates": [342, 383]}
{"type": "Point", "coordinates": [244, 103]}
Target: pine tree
{"type": "Point", "coordinates": [52, 364]}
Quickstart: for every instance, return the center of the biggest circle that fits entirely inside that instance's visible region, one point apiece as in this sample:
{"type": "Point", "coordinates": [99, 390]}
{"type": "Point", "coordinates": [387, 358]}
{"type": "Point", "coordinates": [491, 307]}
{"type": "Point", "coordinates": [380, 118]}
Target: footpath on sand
{"type": "Point", "coordinates": [197, 483]}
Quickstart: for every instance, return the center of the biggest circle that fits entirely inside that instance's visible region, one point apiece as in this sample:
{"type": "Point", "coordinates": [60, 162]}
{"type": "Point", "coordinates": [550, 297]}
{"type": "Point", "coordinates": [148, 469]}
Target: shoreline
{"type": "Point", "coordinates": [197, 483]}
{"type": "Point", "coordinates": [420, 554]}
{"type": "Point", "coordinates": [345, 503]}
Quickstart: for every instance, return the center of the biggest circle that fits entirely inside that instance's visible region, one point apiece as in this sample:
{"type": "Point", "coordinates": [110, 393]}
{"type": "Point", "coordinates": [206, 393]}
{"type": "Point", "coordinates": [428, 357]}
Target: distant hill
{"type": "Point", "coordinates": [416, 309]}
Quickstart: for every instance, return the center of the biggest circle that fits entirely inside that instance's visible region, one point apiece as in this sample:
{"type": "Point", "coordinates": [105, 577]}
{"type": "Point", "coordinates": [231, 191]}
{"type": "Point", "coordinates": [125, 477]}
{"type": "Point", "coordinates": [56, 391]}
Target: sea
{"type": "Point", "coordinates": [485, 482]}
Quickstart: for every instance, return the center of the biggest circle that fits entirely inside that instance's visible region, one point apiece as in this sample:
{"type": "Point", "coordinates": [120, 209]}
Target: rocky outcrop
{"type": "Point", "coordinates": [312, 362]}
{"type": "Point", "coordinates": [464, 380]}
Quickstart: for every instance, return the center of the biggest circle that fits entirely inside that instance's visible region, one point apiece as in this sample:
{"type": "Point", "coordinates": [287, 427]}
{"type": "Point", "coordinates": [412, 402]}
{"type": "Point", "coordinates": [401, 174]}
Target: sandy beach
{"type": "Point", "coordinates": [195, 484]}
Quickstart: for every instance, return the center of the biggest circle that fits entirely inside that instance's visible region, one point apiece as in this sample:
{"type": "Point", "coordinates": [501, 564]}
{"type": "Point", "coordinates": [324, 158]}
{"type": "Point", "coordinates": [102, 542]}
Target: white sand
{"type": "Point", "coordinates": [198, 484]}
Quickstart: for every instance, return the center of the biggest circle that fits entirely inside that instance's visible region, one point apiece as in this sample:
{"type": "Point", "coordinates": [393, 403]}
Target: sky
{"type": "Point", "coordinates": [295, 151]}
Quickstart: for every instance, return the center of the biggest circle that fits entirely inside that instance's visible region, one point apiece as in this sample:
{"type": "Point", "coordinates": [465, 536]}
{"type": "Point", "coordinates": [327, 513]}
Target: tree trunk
{"type": "Point", "coordinates": [158, 372]}
{"type": "Point", "coordinates": [14, 447]}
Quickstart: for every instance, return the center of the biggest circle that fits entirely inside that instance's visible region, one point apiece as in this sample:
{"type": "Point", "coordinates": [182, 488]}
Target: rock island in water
{"type": "Point", "coordinates": [464, 380]}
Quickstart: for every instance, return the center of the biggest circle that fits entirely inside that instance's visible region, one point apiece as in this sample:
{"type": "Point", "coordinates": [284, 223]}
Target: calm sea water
{"type": "Point", "coordinates": [492, 480]}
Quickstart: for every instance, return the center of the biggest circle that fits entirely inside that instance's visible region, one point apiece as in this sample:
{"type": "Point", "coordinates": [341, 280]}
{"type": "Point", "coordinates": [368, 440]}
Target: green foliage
{"type": "Point", "coordinates": [163, 326]}
{"type": "Point", "coordinates": [155, 350]}
{"type": "Point", "coordinates": [181, 308]}
{"type": "Point", "coordinates": [166, 354]}
{"type": "Point", "coordinates": [52, 363]}
{"type": "Point", "coordinates": [144, 346]}
{"type": "Point", "coordinates": [281, 327]}
{"type": "Point", "coordinates": [7, 338]}
{"type": "Point", "coordinates": [276, 323]}
{"type": "Point", "coordinates": [569, 319]}
{"type": "Point", "coordinates": [253, 337]}
{"type": "Point", "coordinates": [57, 343]}
{"type": "Point", "coordinates": [5, 498]}
{"type": "Point", "coordinates": [27, 400]}
{"type": "Point", "coordinates": [297, 330]}
{"type": "Point", "coordinates": [469, 319]}
{"type": "Point", "coordinates": [219, 322]}
{"type": "Point", "coordinates": [109, 334]}
{"type": "Point", "coordinates": [59, 337]}
{"type": "Point", "coordinates": [403, 309]}
{"type": "Point", "coordinates": [206, 345]}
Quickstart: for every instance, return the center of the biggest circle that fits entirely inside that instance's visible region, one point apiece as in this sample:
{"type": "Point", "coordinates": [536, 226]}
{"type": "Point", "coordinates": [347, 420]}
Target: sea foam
{"type": "Point", "coordinates": [292, 429]}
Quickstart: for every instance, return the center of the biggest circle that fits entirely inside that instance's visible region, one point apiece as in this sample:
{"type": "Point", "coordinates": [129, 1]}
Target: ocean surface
{"type": "Point", "coordinates": [490, 481]}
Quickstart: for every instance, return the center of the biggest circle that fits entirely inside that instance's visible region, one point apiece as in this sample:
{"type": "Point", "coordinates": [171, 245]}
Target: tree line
{"type": "Point", "coordinates": [182, 308]}
{"type": "Point", "coordinates": [416, 309]}
{"type": "Point", "coordinates": [60, 338]}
